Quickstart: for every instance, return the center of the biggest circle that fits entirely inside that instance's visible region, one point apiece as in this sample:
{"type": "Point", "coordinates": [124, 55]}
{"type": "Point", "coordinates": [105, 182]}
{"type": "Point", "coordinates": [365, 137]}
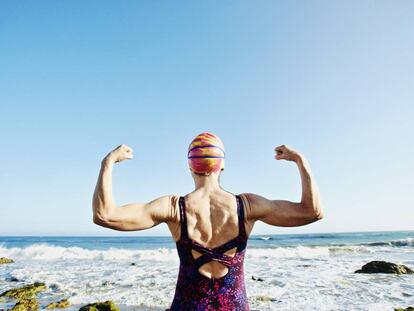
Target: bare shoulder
{"type": "Point", "coordinates": [249, 218]}
{"type": "Point", "coordinates": [254, 205]}
{"type": "Point", "coordinates": [174, 208]}
{"type": "Point", "coordinates": [174, 223]}
{"type": "Point", "coordinates": [163, 209]}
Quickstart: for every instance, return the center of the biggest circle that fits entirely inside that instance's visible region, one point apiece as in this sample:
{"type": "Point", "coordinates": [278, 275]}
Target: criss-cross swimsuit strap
{"type": "Point", "coordinates": [216, 254]}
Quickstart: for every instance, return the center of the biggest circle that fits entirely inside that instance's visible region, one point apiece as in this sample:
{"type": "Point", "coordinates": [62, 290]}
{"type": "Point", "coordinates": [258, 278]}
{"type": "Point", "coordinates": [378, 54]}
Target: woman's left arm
{"type": "Point", "coordinates": [129, 217]}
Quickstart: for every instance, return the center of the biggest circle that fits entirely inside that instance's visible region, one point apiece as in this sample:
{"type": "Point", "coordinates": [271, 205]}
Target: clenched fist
{"type": "Point", "coordinates": [284, 152]}
{"type": "Point", "coordinates": [120, 153]}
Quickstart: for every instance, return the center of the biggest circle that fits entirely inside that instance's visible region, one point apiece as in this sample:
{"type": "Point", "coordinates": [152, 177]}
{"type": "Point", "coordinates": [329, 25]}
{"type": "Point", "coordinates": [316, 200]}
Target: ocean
{"type": "Point", "coordinates": [282, 272]}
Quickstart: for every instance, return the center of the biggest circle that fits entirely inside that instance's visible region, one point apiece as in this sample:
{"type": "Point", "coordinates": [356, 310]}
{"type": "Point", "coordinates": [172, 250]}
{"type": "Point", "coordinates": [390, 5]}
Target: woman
{"type": "Point", "coordinates": [210, 225]}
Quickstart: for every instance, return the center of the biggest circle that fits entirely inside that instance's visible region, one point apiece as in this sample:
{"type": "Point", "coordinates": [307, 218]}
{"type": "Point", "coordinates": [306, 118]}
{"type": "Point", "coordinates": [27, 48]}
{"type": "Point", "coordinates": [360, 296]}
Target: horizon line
{"type": "Point", "coordinates": [159, 236]}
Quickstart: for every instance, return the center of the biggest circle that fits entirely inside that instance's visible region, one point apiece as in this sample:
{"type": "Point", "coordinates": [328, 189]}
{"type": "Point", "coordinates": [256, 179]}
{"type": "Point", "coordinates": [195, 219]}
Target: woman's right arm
{"type": "Point", "coordinates": [128, 217]}
{"type": "Point", "coordinates": [285, 213]}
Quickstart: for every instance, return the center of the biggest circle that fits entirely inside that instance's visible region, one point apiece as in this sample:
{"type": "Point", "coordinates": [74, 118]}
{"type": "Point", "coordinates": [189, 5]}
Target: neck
{"type": "Point", "coordinates": [209, 183]}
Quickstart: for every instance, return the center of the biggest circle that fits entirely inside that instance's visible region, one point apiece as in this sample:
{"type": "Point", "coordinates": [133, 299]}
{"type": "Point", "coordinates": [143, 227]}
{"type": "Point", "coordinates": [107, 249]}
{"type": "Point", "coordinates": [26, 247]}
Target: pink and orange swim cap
{"type": "Point", "coordinates": [206, 153]}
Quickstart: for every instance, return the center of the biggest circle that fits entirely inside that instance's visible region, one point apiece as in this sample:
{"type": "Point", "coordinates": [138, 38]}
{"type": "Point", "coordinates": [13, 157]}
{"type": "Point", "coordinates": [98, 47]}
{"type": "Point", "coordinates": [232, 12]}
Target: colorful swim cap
{"type": "Point", "coordinates": [206, 153]}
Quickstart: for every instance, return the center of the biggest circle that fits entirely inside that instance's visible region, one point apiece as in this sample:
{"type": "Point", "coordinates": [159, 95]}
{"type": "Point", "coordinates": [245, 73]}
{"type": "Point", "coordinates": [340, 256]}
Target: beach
{"type": "Point", "coordinates": [282, 272]}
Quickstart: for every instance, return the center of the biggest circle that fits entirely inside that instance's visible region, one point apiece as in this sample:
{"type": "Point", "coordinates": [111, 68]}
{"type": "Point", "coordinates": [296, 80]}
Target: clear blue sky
{"type": "Point", "coordinates": [333, 79]}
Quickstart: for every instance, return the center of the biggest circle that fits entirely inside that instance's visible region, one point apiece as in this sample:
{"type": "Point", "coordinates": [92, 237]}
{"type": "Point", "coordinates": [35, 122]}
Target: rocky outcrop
{"type": "Point", "coordinates": [5, 260]}
{"type": "Point", "coordinates": [25, 296]}
{"type": "Point", "coordinates": [30, 304]}
{"type": "Point", "coordinates": [384, 267]}
{"type": "Point", "coordinates": [25, 292]}
{"type": "Point", "coordinates": [405, 309]}
{"type": "Point", "coordinates": [64, 303]}
{"type": "Point", "coordinates": [100, 306]}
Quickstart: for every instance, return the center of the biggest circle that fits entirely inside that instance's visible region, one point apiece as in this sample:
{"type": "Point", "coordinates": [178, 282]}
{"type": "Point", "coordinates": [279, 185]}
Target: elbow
{"type": "Point", "coordinates": [100, 220]}
{"type": "Point", "coordinates": [315, 214]}
{"type": "Point", "coordinates": [314, 218]}
{"type": "Point", "coordinates": [95, 220]}
{"type": "Point", "coordinates": [101, 214]}
{"type": "Point", "coordinates": [318, 214]}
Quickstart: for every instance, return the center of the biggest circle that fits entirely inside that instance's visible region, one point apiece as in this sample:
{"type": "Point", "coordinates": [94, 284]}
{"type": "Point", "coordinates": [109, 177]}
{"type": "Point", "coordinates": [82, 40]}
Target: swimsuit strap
{"type": "Point", "coordinates": [183, 219]}
{"type": "Point", "coordinates": [240, 213]}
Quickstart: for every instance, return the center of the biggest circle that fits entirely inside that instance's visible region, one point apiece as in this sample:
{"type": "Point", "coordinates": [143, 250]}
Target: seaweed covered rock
{"type": "Point", "coordinates": [25, 292]}
{"type": "Point", "coordinates": [384, 267]}
{"type": "Point", "coordinates": [64, 303]}
{"type": "Point", "coordinates": [404, 309]}
{"type": "Point", "coordinates": [5, 260]}
{"type": "Point", "coordinates": [100, 306]}
{"type": "Point", "coordinates": [26, 305]}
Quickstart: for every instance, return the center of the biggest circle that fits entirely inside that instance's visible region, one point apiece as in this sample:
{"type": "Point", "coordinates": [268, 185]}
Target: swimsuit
{"type": "Point", "coordinates": [197, 292]}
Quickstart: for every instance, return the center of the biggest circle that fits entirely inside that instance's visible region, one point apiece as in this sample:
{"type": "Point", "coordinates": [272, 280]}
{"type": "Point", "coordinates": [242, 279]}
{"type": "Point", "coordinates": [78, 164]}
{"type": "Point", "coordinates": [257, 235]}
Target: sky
{"type": "Point", "coordinates": [332, 79]}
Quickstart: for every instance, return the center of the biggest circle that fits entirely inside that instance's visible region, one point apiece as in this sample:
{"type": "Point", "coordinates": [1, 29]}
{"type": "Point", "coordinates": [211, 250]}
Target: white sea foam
{"type": "Point", "coordinates": [44, 251]}
{"type": "Point", "coordinates": [49, 252]}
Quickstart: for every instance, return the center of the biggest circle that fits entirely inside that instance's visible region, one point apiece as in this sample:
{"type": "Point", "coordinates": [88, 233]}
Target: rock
{"type": "Point", "coordinates": [5, 260]}
{"type": "Point", "coordinates": [384, 267]}
{"type": "Point", "coordinates": [133, 263]}
{"type": "Point", "coordinates": [100, 306]}
{"type": "Point", "coordinates": [12, 279]}
{"type": "Point", "coordinates": [64, 303]}
{"type": "Point", "coordinates": [26, 305]}
{"type": "Point", "coordinates": [25, 292]}
{"type": "Point", "coordinates": [404, 309]}
{"type": "Point", "coordinates": [257, 279]}
{"type": "Point", "coordinates": [265, 298]}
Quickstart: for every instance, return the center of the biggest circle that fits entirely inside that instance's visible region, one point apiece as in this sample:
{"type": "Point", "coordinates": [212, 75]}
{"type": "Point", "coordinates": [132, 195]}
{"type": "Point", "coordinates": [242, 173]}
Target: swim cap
{"type": "Point", "coordinates": [206, 153]}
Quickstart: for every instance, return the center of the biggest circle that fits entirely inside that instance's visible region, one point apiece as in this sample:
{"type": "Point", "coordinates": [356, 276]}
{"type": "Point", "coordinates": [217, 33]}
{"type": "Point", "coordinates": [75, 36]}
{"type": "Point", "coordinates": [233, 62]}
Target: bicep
{"type": "Point", "coordinates": [140, 216]}
{"type": "Point", "coordinates": [282, 213]}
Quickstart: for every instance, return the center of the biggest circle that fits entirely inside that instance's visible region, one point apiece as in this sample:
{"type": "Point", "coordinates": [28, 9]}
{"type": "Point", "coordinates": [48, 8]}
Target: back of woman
{"type": "Point", "coordinates": [209, 225]}
{"type": "Point", "coordinates": [211, 217]}
{"type": "Point", "coordinates": [211, 245]}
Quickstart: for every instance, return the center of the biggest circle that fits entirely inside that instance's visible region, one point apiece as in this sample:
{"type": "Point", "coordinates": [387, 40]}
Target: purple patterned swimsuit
{"type": "Point", "coordinates": [197, 292]}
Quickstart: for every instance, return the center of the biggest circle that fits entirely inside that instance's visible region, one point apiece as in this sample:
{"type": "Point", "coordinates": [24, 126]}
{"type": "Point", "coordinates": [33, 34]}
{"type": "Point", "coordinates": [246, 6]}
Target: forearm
{"type": "Point", "coordinates": [103, 199]}
{"type": "Point", "coordinates": [310, 195]}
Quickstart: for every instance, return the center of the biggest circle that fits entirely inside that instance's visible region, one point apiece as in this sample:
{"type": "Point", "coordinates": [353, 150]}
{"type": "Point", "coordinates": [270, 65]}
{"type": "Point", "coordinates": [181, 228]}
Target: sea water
{"type": "Point", "coordinates": [282, 272]}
